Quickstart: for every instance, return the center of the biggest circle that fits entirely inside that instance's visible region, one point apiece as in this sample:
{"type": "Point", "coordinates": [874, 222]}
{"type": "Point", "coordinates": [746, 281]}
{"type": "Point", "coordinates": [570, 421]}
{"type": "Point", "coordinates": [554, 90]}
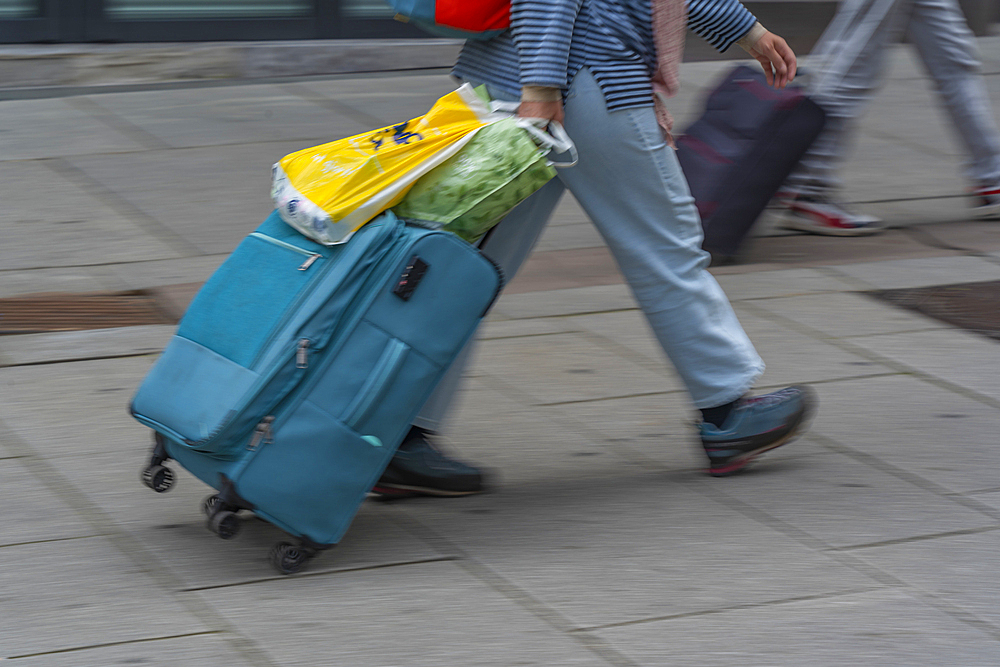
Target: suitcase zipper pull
{"type": "Point", "coordinates": [309, 262]}
{"type": "Point", "coordinates": [261, 434]}
{"type": "Point", "coordinates": [302, 354]}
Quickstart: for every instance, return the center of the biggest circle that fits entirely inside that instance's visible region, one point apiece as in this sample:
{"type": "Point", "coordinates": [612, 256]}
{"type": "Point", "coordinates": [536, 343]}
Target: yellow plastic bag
{"type": "Point", "coordinates": [328, 192]}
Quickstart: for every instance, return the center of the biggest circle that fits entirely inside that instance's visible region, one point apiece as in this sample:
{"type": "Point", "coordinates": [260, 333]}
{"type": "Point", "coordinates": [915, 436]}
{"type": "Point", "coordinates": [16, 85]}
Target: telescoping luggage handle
{"type": "Point", "coordinates": [549, 134]}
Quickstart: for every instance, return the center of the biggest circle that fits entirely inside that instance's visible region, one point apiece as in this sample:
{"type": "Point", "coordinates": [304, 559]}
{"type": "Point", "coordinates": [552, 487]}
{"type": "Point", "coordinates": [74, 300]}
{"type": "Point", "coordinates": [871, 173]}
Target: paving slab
{"type": "Point", "coordinates": [92, 400]}
{"type": "Point", "coordinates": [172, 526]}
{"type": "Point", "coordinates": [497, 328]}
{"type": "Point", "coordinates": [35, 129]}
{"type": "Point", "coordinates": [926, 424]}
{"type": "Point", "coordinates": [915, 212]}
{"type": "Point", "coordinates": [209, 650]}
{"type": "Point", "coordinates": [51, 223]}
{"type": "Point", "coordinates": [884, 157]}
{"type": "Point", "coordinates": [629, 546]}
{"type": "Point", "coordinates": [848, 314]}
{"type": "Point", "coordinates": [387, 101]}
{"type": "Point", "coordinates": [68, 279]}
{"type": "Point", "coordinates": [953, 355]}
{"type": "Point", "coordinates": [229, 115]}
{"type": "Point", "coordinates": [565, 367]}
{"type": "Point", "coordinates": [627, 328]}
{"type": "Point", "coordinates": [79, 345]}
{"type": "Point", "coordinates": [555, 303]}
{"type": "Point", "coordinates": [31, 512]}
{"type": "Point", "coordinates": [569, 236]}
{"type": "Point", "coordinates": [846, 503]}
{"type": "Point", "coordinates": [808, 250]}
{"type": "Point", "coordinates": [420, 616]}
{"type": "Point", "coordinates": [922, 272]}
{"type": "Point", "coordinates": [975, 235]}
{"type": "Point", "coordinates": [569, 268]}
{"type": "Point", "coordinates": [793, 358]}
{"type": "Point", "coordinates": [878, 627]}
{"type": "Point", "coordinates": [525, 449]}
{"type": "Point", "coordinates": [96, 596]}
{"type": "Point", "coordinates": [784, 282]}
{"type": "Point", "coordinates": [992, 499]}
{"type": "Point", "coordinates": [951, 568]}
{"type": "Point", "coordinates": [212, 197]}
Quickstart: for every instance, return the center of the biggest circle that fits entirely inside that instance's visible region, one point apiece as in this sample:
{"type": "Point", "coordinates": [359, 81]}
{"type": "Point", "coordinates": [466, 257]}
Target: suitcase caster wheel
{"type": "Point", "coordinates": [209, 504]}
{"type": "Point", "coordinates": [288, 558]}
{"type": "Point", "coordinates": [158, 478]}
{"type": "Point", "coordinates": [225, 524]}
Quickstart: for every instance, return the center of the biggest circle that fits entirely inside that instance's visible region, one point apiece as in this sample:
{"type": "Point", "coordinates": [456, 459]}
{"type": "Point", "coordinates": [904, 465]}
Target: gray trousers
{"type": "Point", "coordinates": [631, 186]}
{"type": "Point", "coordinates": [848, 61]}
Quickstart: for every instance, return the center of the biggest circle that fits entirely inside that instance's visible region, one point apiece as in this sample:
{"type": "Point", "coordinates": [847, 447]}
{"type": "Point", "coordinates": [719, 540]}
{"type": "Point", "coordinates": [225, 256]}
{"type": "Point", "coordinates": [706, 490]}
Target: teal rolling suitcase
{"type": "Point", "coordinates": [298, 369]}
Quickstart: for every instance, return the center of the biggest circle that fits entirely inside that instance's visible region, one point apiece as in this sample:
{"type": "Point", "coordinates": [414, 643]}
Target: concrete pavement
{"type": "Point", "coordinates": [872, 540]}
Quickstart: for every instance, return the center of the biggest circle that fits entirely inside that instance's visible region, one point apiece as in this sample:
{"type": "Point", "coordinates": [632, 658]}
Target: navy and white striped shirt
{"type": "Point", "coordinates": [551, 40]}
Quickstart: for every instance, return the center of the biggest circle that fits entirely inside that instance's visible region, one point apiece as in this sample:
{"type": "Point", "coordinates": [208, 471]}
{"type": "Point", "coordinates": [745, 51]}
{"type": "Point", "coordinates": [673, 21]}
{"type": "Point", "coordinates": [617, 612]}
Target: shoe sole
{"type": "Point", "coordinates": [404, 491]}
{"type": "Point", "coordinates": [829, 231]}
{"type": "Point", "coordinates": [804, 416]}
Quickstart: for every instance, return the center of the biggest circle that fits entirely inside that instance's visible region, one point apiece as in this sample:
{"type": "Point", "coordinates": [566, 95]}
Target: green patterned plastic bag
{"type": "Point", "coordinates": [474, 189]}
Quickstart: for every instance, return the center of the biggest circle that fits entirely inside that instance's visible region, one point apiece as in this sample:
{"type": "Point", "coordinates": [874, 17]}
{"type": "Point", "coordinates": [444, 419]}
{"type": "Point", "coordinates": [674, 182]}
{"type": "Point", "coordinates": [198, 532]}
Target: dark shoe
{"type": "Point", "coordinates": [418, 468]}
{"type": "Point", "coordinates": [757, 424]}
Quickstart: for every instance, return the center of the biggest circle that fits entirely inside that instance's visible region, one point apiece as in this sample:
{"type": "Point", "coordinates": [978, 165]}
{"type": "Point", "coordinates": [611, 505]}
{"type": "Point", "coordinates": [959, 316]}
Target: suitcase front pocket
{"type": "Point", "coordinates": [382, 376]}
{"type": "Point", "coordinates": [312, 476]}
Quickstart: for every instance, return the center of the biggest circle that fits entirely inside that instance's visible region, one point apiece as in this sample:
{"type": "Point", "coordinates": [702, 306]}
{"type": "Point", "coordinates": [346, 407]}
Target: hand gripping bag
{"type": "Point", "coordinates": [328, 192]}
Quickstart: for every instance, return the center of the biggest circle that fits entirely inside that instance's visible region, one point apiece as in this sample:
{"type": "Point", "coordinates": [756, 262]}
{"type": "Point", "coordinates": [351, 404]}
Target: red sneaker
{"type": "Point", "coordinates": [818, 215]}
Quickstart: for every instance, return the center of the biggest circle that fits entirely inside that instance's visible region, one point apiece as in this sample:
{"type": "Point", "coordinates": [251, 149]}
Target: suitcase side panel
{"type": "Point", "coordinates": [334, 439]}
{"type": "Point", "coordinates": [761, 173]}
{"type": "Point", "coordinates": [739, 152]}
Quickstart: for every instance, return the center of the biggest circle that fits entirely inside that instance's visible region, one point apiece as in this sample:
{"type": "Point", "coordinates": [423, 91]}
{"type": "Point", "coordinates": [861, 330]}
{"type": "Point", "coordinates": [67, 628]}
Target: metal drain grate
{"type": "Point", "coordinates": [39, 313]}
{"type": "Point", "coordinates": [972, 306]}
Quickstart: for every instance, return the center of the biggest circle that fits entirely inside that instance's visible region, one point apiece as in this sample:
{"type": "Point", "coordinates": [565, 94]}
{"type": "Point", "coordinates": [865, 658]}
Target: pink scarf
{"type": "Point", "coordinates": [669, 28]}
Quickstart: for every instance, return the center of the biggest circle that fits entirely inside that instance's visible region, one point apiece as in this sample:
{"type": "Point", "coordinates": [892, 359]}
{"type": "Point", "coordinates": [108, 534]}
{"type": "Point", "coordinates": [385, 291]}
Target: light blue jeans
{"type": "Point", "coordinates": [630, 184]}
{"type": "Point", "coordinates": [849, 60]}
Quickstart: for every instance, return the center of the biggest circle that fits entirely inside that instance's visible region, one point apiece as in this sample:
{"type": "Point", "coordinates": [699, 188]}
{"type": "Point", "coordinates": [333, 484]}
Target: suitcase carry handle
{"type": "Point", "coordinates": [379, 380]}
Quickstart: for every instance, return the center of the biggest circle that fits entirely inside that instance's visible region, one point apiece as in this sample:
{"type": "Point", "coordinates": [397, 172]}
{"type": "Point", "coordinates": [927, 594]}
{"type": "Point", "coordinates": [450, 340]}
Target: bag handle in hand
{"type": "Point", "coordinates": [549, 134]}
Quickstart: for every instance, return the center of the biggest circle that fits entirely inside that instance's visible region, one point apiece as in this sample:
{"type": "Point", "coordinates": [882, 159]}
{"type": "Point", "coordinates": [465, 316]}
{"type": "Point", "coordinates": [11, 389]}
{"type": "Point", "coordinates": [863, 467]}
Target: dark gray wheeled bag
{"type": "Point", "coordinates": [741, 150]}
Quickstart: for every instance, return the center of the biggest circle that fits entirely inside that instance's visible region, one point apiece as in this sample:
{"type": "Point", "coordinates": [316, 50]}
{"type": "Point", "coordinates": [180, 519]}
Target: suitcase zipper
{"type": "Point", "coordinates": [302, 354]}
{"type": "Point", "coordinates": [261, 434]}
{"type": "Point", "coordinates": [310, 256]}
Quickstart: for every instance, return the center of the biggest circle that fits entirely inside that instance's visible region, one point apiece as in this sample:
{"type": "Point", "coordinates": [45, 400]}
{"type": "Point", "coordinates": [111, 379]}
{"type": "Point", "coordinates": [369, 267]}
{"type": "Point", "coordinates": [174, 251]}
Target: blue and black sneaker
{"type": "Point", "coordinates": [421, 469]}
{"type": "Point", "coordinates": [755, 425]}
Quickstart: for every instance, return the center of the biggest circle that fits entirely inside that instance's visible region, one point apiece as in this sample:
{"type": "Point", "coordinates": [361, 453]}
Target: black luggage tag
{"type": "Point", "coordinates": [412, 274]}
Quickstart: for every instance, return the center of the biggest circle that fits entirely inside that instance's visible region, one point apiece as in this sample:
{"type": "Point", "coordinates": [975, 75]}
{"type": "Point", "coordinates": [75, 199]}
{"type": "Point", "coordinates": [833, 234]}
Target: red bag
{"type": "Point", "coordinates": [468, 19]}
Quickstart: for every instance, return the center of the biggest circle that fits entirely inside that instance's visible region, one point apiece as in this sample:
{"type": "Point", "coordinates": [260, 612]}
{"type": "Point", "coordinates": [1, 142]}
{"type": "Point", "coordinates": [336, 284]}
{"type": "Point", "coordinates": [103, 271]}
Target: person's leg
{"type": "Point", "coordinates": [946, 45]}
{"type": "Point", "coordinates": [630, 184]}
{"type": "Point", "coordinates": [843, 71]}
{"type": "Point", "coordinates": [419, 466]}
{"type": "Point", "coordinates": [848, 63]}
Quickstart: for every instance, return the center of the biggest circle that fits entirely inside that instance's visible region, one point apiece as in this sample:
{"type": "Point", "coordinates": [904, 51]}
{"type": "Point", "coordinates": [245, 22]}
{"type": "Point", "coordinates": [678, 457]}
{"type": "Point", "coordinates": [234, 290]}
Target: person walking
{"type": "Point", "coordinates": [850, 56]}
{"type": "Point", "coordinates": [602, 68]}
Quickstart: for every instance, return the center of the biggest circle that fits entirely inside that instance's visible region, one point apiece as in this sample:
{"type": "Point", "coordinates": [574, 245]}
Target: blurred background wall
{"type": "Point", "coordinates": [96, 21]}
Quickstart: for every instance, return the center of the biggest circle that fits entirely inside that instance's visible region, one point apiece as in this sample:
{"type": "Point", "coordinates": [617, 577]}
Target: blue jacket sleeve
{"type": "Point", "coordinates": [719, 22]}
{"type": "Point", "coordinates": [543, 32]}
